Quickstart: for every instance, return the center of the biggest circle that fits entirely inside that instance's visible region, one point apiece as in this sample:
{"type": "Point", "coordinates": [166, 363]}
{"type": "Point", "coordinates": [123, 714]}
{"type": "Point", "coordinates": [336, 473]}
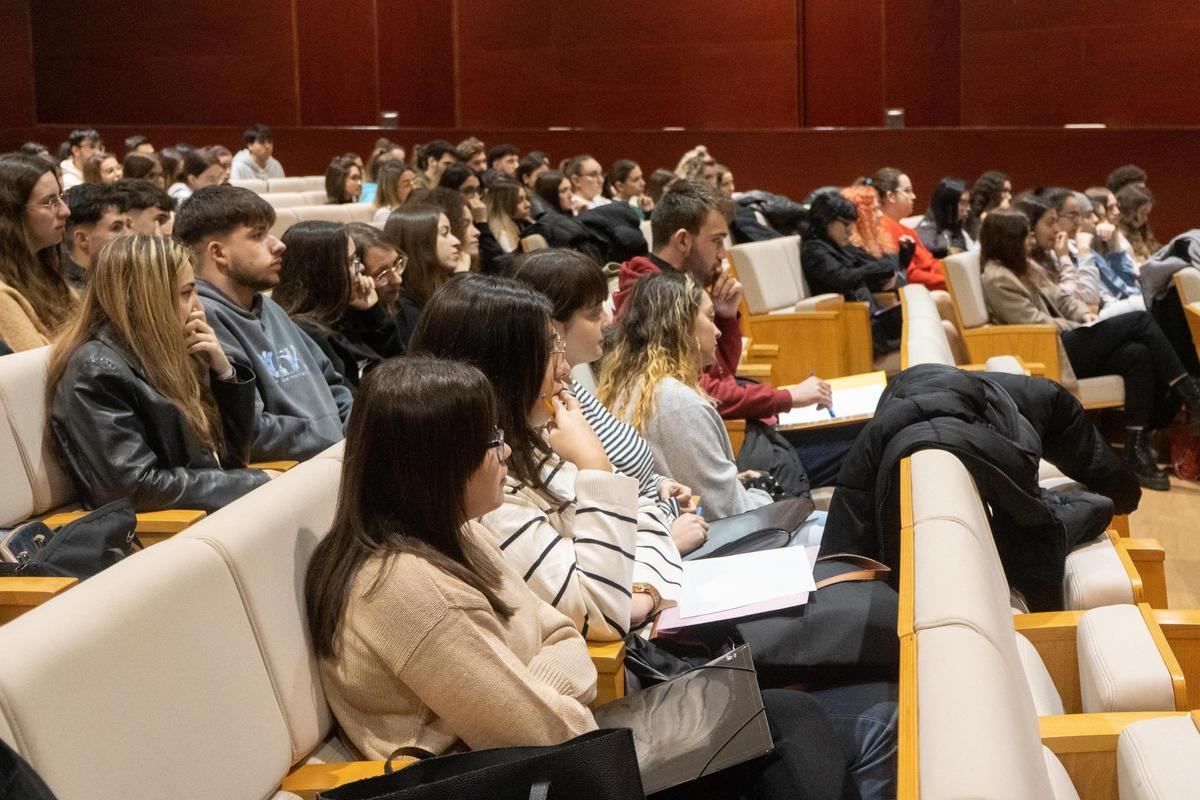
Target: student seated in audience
{"type": "Point", "coordinates": [659, 181]}
{"type": "Point", "coordinates": [508, 212]}
{"type": "Point", "coordinates": [427, 637]}
{"type": "Point", "coordinates": [896, 198]}
{"type": "Point", "coordinates": [627, 184]}
{"type": "Point", "coordinates": [990, 191]}
{"type": "Point", "coordinates": [385, 265]}
{"type": "Point", "coordinates": [424, 234]}
{"type": "Point", "coordinates": [323, 288]}
{"type": "Point", "coordinates": [35, 149]}
{"type": "Point", "coordinates": [432, 158]}
{"type": "Point", "coordinates": [302, 402]}
{"type": "Point", "coordinates": [461, 179]}
{"type": "Point", "coordinates": [832, 264]}
{"type": "Point", "coordinates": [102, 168]}
{"type": "Point", "coordinates": [385, 150]}
{"type": "Point", "coordinates": [577, 290]}
{"type": "Point", "coordinates": [147, 207]}
{"type": "Point", "coordinates": [1136, 203]}
{"type": "Point", "coordinates": [503, 159]}
{"type": "Point", "coordinates": [473, 154]}
{"type": "Point", "coordinates": [697, 165]}
{"type": "Point", "coordinates": [556, 471]}
{"type": "Point", "coordinates": [256, 159]}
{"type": "Point", "coordinates": [83, 143]}
{"type": "Point", "coordinates": [529, 170]}
{"type": "Point", "coordinates": [172, 162]}
{"type": "Point", "coordinates": [1127, 175]}
{"type": "Point", "coordinates": [35, 298]}
{"type": "Point", "coordinates": [942, 230]}
{"type": "Point", "coordinates": [144, 167]}
{"type": "Point", "coordinates": [1051, 244]}
{"type": "Point", "coordinates": [587, 183]}
{"type": "Point", "coordinates": [725, 184]}
{"type": "Point", "coordinates": [450, 203]}
{"type": "Point", "coordinates": [138, 143]}
{"type": "Point", "coordinates": [1118, 275]}
{"type": "Point", "coordinates": [343, 181]}
{"type": "Point", "coordinates": [97, 214]}
{"type": "Point", "coordinates": [553, 190]}
{"type": "Point", "coordinates": [689, 226]}
{"type": "Point", "coordinates": [666, 336]}
{"type": "Point", "coordinates": [394, 183]}
{"type": "Point", "coordinates": [1019, 292]}
{"type": "Point", "coordinates": [867, 234]}
{"type": "Point", "coordinates": [200, 169]}
{"type": "Point", "coordinates": [144, 403]}
{"type": "Point", "coordinates": [224, 158]}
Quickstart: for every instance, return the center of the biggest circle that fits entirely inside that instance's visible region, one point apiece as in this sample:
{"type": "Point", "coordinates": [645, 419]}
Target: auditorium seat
{"type": "Point", "coordinates": [913, 221]}
{"type": "Point", "coordinates": [1033, 343]}
{"type": "Point", "coordinates": [647, 234]}
{"type": "Point", "coordinates": [286, 199]}
{"type": "Point", "coordinates": [314, 197]}
{"type": "Point", "coordinates": [1187, 283]}
{"type": "Point", "coordinates": [821, 334]}
{"type": "Point", "coordinates": [1159, 759]}
{"type": "Point", "coordinates": [303, 183]}
{"type": "Point", "coordinates": [976, 707]}
{"type": "Point", "coordinates": [347, 212]}
{"type": "Point", "coordinates": [1107, 570]}
{"type": "Point", "coordinates": [253, 184]}
{"type": "Point", "coordinates": [192, 662]}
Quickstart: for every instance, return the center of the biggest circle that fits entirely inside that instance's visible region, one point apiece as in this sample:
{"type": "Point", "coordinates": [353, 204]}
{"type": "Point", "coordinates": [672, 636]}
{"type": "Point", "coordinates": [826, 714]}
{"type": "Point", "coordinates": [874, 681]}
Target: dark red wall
{"type": "Point", "coordinates": [17, 104]}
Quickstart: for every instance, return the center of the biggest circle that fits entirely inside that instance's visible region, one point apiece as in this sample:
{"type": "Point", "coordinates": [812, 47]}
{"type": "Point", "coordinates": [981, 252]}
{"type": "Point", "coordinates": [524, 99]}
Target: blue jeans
{"type": "Point", "coordinates": [864, 718]}
{"type": "Point", "coordinates": [808, 535]}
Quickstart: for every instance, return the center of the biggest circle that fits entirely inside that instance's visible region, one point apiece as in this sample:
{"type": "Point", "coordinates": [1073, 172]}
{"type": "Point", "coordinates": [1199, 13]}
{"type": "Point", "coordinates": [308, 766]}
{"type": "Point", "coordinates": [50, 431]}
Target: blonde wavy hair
{"type": "Point", "coordinates": [132, 289]}
{"type": "Point", "coordinates": [691, 165]}
{"type": "Point", "coordinates": [655, 341]}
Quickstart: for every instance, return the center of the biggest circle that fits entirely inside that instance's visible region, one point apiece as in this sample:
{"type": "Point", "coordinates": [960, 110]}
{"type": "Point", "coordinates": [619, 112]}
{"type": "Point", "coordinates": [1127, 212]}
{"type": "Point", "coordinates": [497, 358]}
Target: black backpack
{"type": "Point", "coordinates": [79, 549]}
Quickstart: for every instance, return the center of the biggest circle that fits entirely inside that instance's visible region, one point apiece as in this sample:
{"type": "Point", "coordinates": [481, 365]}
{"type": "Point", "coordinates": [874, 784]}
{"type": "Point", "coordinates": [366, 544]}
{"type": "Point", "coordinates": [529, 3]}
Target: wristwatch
{"type": "Point", "coordinates": [645, 588]}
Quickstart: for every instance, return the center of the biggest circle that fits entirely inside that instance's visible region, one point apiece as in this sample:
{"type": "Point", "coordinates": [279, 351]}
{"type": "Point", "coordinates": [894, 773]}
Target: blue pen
{"type": "Point", "coordinates": [812, 374]}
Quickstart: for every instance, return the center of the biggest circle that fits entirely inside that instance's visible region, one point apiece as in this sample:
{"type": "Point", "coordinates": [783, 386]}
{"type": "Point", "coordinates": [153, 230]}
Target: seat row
{"type": "Point", "coordinates": [305, 183]}
{"type": "Point", "coordinates": [347, 212]}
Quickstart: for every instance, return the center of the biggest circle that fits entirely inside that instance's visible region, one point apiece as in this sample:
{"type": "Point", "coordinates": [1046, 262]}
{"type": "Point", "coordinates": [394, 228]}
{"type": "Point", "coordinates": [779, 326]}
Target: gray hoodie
{"type": "Point", "coordinates": [244, 167]}
{"type": "Point", "coordinates": [302, 402]}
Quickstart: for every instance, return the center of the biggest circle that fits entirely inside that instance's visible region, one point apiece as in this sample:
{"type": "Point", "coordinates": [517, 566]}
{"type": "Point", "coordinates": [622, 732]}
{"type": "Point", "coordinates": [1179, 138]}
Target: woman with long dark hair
{"type": "Point", "coordinates": [343, 180]}
{"type": "Point", "coordinates": [35, 299]}
{"type": "Point", "coordinates": [990, 191]}
{"type": "Point", "coordinates": [423, 233]}
{"type": "Point", "coordinates": [1019, 292]}
{"type": "Point", "coordinates": [942, 230]}
{"type": "Point", "coordinates": [323, 288]}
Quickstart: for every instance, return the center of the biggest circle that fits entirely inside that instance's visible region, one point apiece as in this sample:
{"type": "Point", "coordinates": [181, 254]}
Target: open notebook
{"type": "Point", "coordinates": [854, 398]}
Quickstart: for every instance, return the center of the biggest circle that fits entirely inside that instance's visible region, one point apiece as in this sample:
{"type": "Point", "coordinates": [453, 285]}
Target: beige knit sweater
{"type": "Point", "coordinates": [423, 661]}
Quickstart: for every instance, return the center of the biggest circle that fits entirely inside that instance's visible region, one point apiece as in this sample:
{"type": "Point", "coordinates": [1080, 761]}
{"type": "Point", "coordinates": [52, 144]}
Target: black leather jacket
{"type": "Point", "coordinates": [118, 437]}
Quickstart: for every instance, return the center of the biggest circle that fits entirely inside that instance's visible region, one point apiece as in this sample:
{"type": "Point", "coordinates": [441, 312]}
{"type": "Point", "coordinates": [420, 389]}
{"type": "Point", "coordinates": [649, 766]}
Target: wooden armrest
{"type": "Point", "coordinates": [736, 428]}
{"type": "Point", "coordinates": [1147, 557]}
{"type": "Point", "coordinates": [1182, 632]}
{"type": "Point", "coordinates": [1086, 745]}
{"type": "Point", "coordinates": [307, 780]}
{"type": "Point", "coordinates": [19, 594]}
{"type": "Point", "coordinates": [1178, 682]}
{"type": "Point", "coordinates": [886, 299]}
{"type": "Point", "coordinates": [1120, 524]}
{"type": "Point", "coordinates": [1052, 634]}
{"type": "Point", "coordinates": [278, 466]}
{"type": "Point", "coordinates": [152, 526]}
{"type": "Point", "coordinates": [609, 660]}
{"type": "Point", "coordinates": [764, 351]}
{"type": "Point", "coordinates": [758, 372]}
{"type": "Point", "coordinates": [1032, 343]}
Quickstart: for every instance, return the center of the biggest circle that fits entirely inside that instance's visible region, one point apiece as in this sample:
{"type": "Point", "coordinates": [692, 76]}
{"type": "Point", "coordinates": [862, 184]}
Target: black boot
{"type": "Point", "coordinates": [1187, 389]}
{"type": "Point", "coordinates": [1137, 458]}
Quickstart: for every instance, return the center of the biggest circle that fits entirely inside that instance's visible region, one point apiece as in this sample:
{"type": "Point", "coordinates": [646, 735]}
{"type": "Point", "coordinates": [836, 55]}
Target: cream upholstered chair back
{"type": "Point", "coordinates": [345, 212]}
{"type": "Point", "coordinates": [253, 184]}
{"type": "Point", "coordinates": [767, 274]}
{"type": "Point", "coordinates": [146, 680]}
{"type": "Point", "coordinates": [924, 337]}
{"type": "Point", "coordinates": [286, 199]}
{"type": "Point", "coordinates": [964, 274]}
{"type": "Point", "coordinates": [647, 234]}
{"type": "Point", "coordinates": [294, 184]}
{"type": "Point", "coordinates": [977, 722]}
{"type": "Point", "coordinates": [23, 397]}
{"type": "Point", "coordinates": [314, 197]}
{"type": "Point", "coordinates": [1188, 281]}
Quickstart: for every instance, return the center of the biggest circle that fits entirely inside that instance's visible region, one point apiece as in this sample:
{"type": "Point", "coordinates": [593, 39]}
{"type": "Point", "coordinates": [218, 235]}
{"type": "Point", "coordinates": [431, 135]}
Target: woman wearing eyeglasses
{"type": "Point", "coordinates": [569, 523]}
{"type": "Point", "coordinates": [35, 299]}
{"type": "Point", "coordinates": [323, 288]}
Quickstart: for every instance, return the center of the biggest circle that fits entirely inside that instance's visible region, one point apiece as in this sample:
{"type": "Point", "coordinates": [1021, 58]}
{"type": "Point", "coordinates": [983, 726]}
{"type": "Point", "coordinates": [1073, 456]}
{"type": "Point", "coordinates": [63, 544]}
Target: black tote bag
{"type": "Point", "coordinates": [601, 765]}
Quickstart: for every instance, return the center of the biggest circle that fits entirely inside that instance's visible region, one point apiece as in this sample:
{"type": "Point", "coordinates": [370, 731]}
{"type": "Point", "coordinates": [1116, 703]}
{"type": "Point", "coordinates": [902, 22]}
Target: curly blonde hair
{"type": "Point", "coordinates": [655, 341]}
{"type": "Point", "coordinates": [691, 165]}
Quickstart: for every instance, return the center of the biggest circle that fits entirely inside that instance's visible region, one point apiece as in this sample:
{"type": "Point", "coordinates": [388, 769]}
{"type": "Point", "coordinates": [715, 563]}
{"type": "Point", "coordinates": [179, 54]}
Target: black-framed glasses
{"type": "Point", "coordinates": [497, 442]}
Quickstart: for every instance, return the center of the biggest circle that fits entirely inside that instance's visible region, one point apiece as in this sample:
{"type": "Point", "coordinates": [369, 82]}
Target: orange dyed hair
{"type": "Point", "coordinates": [868, 233]}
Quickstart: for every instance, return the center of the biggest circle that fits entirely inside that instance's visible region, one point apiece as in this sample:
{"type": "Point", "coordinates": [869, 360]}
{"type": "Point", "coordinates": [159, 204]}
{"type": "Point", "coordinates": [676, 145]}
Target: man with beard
{"type": "Point", "coordinates": [689, 226]}
{"type": "Point", "coordinates": [302, 402]}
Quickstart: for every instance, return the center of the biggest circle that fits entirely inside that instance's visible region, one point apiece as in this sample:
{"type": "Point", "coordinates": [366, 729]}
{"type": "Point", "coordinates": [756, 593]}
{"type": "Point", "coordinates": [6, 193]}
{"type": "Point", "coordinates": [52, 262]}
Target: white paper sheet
{"type": "Point", "coordinates": [852, 402]}
{"type": "Point", "coordinates": [712, 585]}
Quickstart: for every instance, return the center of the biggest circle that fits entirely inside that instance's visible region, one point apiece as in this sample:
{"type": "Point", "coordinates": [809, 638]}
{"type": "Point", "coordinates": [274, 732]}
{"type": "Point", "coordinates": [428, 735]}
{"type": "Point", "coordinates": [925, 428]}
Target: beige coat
{"type": "Point", "coordinates": [20, 326]}
{"type": "Point", "coordinates": [1033, 300]}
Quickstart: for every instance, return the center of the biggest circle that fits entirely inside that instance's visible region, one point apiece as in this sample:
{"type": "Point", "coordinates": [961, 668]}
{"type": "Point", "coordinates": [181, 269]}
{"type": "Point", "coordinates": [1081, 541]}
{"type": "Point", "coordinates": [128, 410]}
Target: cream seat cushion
{"type": "Point", "coordinates": [1120, 668]}
{"type": "Point", "coordinates": [1102, 390]}
{"type": "Point", "coordinates": [1095, 577]}
{"type": "Point", "coordinates": [253, 184]}
{"type": "Point", "coordinates": [963, 273]}
{"type": "Point", "coordinates": [766, 276]}
{"type": "Point", "coordinates": [1046, 698]}
{"type": "Point", "coordinates": [276, 185]}
{"type": "Point", "coordinates": [1159, 759]}
{"type": "Point", "coordinates": [285, 199]}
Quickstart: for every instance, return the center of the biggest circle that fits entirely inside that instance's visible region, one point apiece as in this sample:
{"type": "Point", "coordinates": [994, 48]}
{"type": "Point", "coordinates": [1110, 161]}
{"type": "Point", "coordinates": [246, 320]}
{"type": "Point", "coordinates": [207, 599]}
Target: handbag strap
{"type": "Point", "coordinates": [868, 569]}
{"type": "Point", "coordinates": [540, 791]}
{"type": "Point", "coordinates": [404, 752]}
